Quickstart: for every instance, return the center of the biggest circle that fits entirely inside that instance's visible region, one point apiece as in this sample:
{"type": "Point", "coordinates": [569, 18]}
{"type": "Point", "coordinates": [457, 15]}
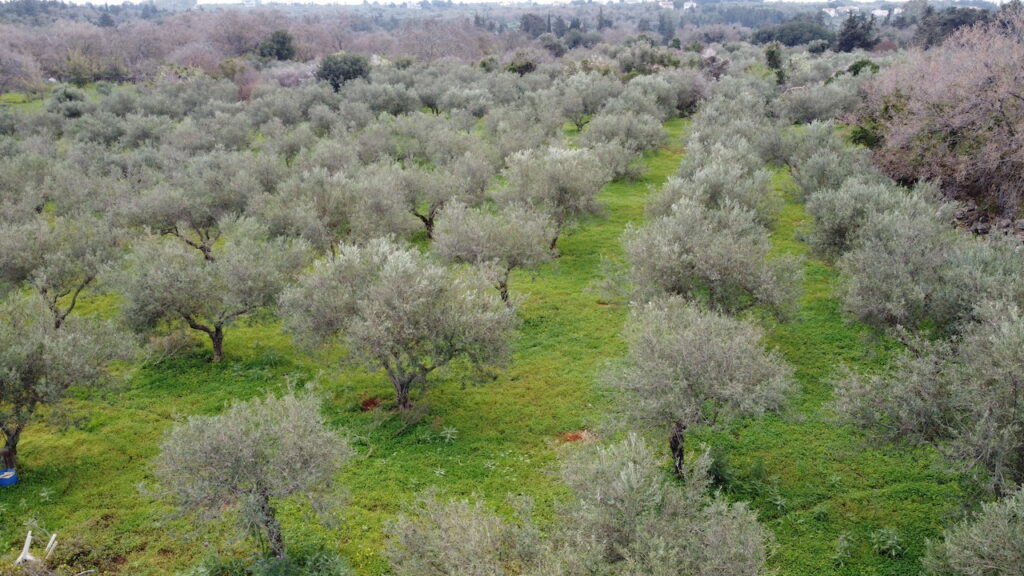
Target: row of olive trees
{"type": "Point", "coordinates": [689, 364]}
{"type": "Point", "coordinates": [953, 300]}
{"type": "Point", "coordinates": [703, 255]}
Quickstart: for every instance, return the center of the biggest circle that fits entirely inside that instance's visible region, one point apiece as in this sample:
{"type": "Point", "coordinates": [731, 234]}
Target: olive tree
{"type": "Point", "coordinates": [498, 243]}
{"type": "Point", "coordinates": [248, 458]}
{"type": "Point", "coordinates": [165, 281]}
{"type": "Point", "coordinates": [687, 367]}
{"type": "Point", "coordinates": [464, 179]}
{"type": "Point", "coordinates": [58, 258]}
{"type": "Point", "coordinates": [191, 205]}
{"type": "Point", "coordinates": [900, 272]}
{"type": "Point", "coordinates": [717, 182]}
{"type": "Point", "coordinates": [397, 310]}
{"type": "Point", "coordinates": [433, 537]}
{"type": "Point", "coordinates": [631, 518]}
{"type": "Point", "coordinates": [561, 182]}
{"type": "Point", "coordinates": [715, 255]}
{"type": "Point", "coordinates": [583, 95]}
{"type": "Point", "coordinates": [626, 517]}
{"type": "Point", "coordinates": [840, 213]}
{"type": "Point", "coordinates": [40, 363]}
{"type": "Point", "coordinates": [965, 396]}
{"type": "Point", "coordinates": [989, 542]}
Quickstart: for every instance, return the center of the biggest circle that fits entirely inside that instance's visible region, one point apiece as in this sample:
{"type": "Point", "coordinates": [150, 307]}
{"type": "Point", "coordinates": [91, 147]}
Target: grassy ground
{"type": "Point", "coordinates": [811, 481]}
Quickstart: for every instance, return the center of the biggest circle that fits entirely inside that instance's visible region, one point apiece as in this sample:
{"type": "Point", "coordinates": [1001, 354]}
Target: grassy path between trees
{"type": "Point", "coordinates": [810, 481]}
{"type": "Point", "coordinates": [828, 493]}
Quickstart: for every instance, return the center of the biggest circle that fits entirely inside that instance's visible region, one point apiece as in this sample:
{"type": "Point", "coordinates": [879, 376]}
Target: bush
{"type": "Point", "coordinates": [819, 102]}
{"type": "Point", "coordinates": [718, 256]}
{"type": "Point", "coordinates": [828, 169]}
{"type": "Point", "coordinates": [898, 272]}
{"type": "Point", "coordinates": [990, 542]}
{"type": "Point", "coordinates": [434, 538]}
{"type": "Point", "coordinates": [960, 396]}
{"type": "Point", "coordinates": [720, 181]}
{"type": "Point", "coordinates": [634, 132]}
{"type": "Point", "coordinates": [839, 214]}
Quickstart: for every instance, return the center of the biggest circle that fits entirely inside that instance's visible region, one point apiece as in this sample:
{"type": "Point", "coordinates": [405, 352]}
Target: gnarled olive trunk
{"type": "Point", "coordinates": [9, 453]}
{"type": "Point", "coordinates": [217, 339]}
{"type": "Point", "coordinates": [268, 518]}
{"type": "Point", "coordinates": [676, 441]}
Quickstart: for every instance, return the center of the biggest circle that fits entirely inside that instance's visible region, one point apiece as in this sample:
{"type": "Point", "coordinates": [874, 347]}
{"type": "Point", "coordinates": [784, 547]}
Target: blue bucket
{"type": "Point", "coordinates": [8, 477]}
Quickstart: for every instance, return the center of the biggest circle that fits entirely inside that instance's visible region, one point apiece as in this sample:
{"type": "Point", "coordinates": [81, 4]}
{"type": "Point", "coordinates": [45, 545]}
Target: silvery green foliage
{"type": "Point", "coordinates": [914, 402]}
{"type": "Point", "coordinates": [990, 542]}
{"type": "Point", "coordinates": [827, 169]}
{"type": "Point", "coordinates": [627, 518]}
{"type": "Point", "coordinates": [39, 363]}
{"type": "Point", "coordinates": [333, 155]}
{"type": "Point", "coordinates": [394, 99]}
{"type": "Point", "coordinates": [312, 205]}
{"type": "Point", "coordinates": [718, 256]}
{"type": "Point", "coordinates": [497, 242]}
{"type": "Point", "coordinates": [804, 104]}
{"type": "Point", "coordinates": [23, 176]}
{"type": "Point", "coordinates": [966, 396]}
{"type": "Point", "coordinates": [903, 269]}
{"type": "Point", "coordinates": [721, 178]}
{"type": "Point", "coordinates": [463, 179]}
{"type": "Point", "coordinates": [736, 150]}
{"type": "Point", "coordinates": [398, 310]}
{"type": "Point", "coordinates": [196, 98]}
{"type": "Point", "coordinates": [248, 458]}
{"type": "Point", "coordinates": [165, 281]}
{"type": "Point", "coordinates": [631, 519]}
{"type": "Point", "coordinates": [840, 213]}
{"type": "Point", "coordinates": [584, 93]}
{"type": "Point", "coordinates": [435, 538]}
{"type": "Point", "coordinates": [474, 101]}
{"type": "Point", "coordinates": [191, 203]}
{"type": "Point", "coordinates": [697, 367]}
{"type": "Point", "coordinates": [377, 202]}
{"type": "Point", "coordinates": [635, 132]}
{"type": "Point", "coordinates": [523, 126]}
{"type": "Point", "coordinates": [287, 143]}
{"type": "Point", "coordinates": [58, 257]}
{"type": "Point", "coordinates": [690, 367]}
{"type": "Point", "coordinates": [560, 182]}
{"type": "Point", "coordinates": [738, 109]}
{"type": "Point", "coordinates": [667, 94]}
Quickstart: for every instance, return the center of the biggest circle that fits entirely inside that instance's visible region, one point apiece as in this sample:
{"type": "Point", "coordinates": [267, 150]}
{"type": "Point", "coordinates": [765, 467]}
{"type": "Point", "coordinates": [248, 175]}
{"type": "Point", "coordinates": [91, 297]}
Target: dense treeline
{"type": "Point", "coordinates": [43, 40]}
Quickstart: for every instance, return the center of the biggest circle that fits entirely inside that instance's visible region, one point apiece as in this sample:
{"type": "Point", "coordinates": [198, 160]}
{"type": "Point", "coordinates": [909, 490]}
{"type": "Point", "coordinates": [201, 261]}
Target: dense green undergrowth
{"type": "Point", "coordinates": [815, 484]}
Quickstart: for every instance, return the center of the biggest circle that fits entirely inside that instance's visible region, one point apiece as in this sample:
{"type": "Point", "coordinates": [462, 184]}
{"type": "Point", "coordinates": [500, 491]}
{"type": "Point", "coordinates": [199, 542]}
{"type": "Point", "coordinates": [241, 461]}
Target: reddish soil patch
{"type": "Point", "coordinates": [371, 403]}
{"type": "Point", "coordinates": [577, 436]}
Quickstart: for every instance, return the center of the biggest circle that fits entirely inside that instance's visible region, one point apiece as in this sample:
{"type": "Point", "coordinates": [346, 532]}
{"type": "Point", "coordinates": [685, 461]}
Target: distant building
{"type": "Point", "coordinates": [667, 4]}
{"type": "Point", "coordinates": [689, 5]}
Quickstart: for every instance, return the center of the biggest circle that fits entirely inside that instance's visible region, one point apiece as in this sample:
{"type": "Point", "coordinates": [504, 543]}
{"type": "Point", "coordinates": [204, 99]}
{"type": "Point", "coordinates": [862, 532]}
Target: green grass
{"type": "Point", "coordinates": [810, 480]}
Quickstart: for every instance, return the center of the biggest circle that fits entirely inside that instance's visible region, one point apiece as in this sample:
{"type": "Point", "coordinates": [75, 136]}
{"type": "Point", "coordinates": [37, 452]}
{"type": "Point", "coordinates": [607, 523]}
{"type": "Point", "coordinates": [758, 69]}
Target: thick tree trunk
{"type": "Point", "coordinates": [402, 395]}
{"type": "Point", "coordinates": [217, 339]}
{"type": "Point", "coordinates": [268, 517]}
{"type": "Point", "coordinates": [503, 285]}
{"type": "Point", "coordinates": [676, 446]}
{"type": "Point", "coordinates": [9, 453]}
{"type": "Point", "coordinates": [428, 222]}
